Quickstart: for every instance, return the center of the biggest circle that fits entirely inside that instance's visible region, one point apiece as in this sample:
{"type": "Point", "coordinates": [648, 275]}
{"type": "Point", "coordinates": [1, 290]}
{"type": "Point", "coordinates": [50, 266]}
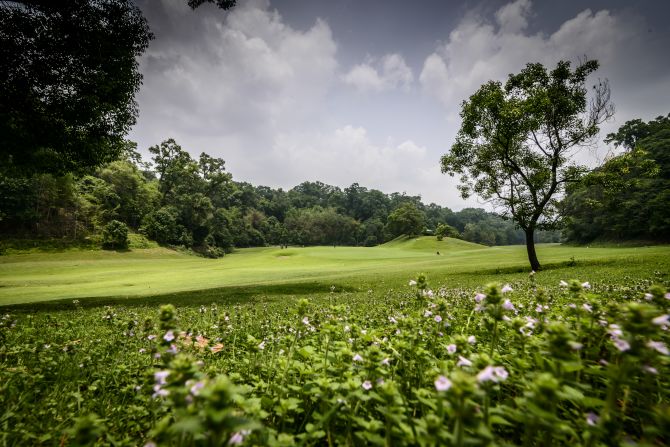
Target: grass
{"type": "Point", "coordinates": [158, 274]}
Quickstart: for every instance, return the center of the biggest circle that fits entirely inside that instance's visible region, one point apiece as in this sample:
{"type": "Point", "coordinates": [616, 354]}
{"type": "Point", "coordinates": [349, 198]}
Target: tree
{"type": "Point", "coordinates": [406, 219]}
{"type": "Point", "coordinates": [516, 141]}
{"type": "Point", "coordinates": [69, 75]}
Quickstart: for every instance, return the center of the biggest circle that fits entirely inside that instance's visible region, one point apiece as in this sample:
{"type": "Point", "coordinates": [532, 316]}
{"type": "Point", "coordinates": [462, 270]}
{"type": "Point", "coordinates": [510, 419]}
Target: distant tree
{"type": "Point", "coordinates": [405, 220]}
{"type": "Point", "coordinates": [69, 73]}
{"type": "Point", "coordinates": [446, 230]}
{"type": "Point", "coordinates": [515, 144]}
{"type": "Point", "coordinates": [115, 235]}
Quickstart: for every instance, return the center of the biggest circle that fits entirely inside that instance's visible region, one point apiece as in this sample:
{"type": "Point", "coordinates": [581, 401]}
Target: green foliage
{"type": "Point", "coordinates": [70, 73]}
{"type": "Point", "coordinates": [404, 220]}
{"type": "Point", "coordinates": [532, 362]}
{"type": "Point", "coordinates": [445, 230]}
{"type": "Point", "coordinates": [515, 141]}
{"type": "Point", "coordinates": [628, 197]}
{"type": "Point", "coordinates": [115, 235]}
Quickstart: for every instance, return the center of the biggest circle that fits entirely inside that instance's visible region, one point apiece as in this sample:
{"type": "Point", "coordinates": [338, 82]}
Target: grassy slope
{"type": "Point", "coordinates": [77, 274]}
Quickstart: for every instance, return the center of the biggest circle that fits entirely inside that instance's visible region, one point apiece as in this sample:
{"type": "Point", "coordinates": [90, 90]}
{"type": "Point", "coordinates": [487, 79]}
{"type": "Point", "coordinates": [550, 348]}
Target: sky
{"type": "Point", "coordinates": [369, 91]}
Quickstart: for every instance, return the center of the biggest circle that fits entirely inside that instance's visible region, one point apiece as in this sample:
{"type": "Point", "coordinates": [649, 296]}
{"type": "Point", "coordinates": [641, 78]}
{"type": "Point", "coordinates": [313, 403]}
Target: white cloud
{"type": "Point", "coordinates": [478, 50]}
{"type": "Point", "coordinates": [348, 154]}
{"type": "Point", "coordinates": [233, 79]}
{"type": "Point", "coordinates": [389, 72]}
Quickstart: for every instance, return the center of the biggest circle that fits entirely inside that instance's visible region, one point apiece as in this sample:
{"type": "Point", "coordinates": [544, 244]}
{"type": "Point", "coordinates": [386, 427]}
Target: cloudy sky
{"type": "Point", "coordinates": [369, 91]}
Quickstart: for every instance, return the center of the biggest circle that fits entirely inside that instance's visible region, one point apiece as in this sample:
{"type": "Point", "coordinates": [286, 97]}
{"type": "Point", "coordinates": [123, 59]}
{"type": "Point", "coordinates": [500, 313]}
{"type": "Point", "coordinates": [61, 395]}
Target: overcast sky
{"type": "Point", "coordinates": [369, 91]}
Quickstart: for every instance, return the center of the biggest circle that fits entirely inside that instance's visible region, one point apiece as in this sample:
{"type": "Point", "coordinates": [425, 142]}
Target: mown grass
{"type": "Point", "coordinates": [162, 275]}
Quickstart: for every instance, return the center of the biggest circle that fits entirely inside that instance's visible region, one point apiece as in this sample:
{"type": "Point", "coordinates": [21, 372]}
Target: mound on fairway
{"type": "Point", "coordinates": [430, 243]}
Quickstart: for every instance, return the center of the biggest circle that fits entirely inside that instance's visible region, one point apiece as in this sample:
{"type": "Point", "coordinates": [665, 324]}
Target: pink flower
{"type": "Point", "coordinates": [169, 336]}
{"type": "Point", "coordinates": [357, 358]}
{"type": "Point", "coordinates": [648, 296]}
{"type": "Point", "coordinates": [563, 284]}
{"type": "Point", "coordinates": [621, 345]}
{"type": "Point", "coordinates": [305, 321]}
{"type": "Point", "coordinates": [659, 346]}
{"type": "Point", "coordinates": [506, 288]}
{"type": "Point", "coordinates": [412, 283]}
{"type": "Point", "coordinates": [663, 320]}
{"type": "Point", "coordinates": [195, 389]}
{"type": "Point", "coordinates": [472, 339]}
{"type": "Point", "coordinates": [492, 374]}
{"type": "Point", "coordinates": [161, 377]}
{"type": "Point", "coordinates": [592, 419]}
{"type": "Point", "coordinates": [367, 385]}
{"type": "Point", "coordinates": [507, 305]}
{"type": "Point", "coordinates": [386, 361]}
{"type": "Point", "coordinates": [479, 297]}
{"type": "Point", "coordinates": [462, 361]}
{"type": "Point", "coordinates": [451, 348]}
{"type": "Point", "coordinates": [438, 318]}
{"type": "Point", "coordinates": [586, 285]}
{"type": "Point", "coordinates": [442, 383]}
{"type": "Point", "coordinates": [587, 307]}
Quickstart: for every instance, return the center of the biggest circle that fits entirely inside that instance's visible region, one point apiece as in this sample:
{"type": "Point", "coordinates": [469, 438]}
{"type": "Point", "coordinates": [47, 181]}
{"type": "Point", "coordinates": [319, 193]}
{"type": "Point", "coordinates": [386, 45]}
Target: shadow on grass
{"type": "Point", "coordinates": [193, 298]}
{"type": "Point", "coordinates": [548, 266]}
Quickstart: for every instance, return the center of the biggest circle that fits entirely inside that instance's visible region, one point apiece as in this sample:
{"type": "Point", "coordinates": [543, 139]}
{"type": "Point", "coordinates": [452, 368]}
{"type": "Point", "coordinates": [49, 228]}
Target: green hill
{"type": "Point", "coordinates": [430, 243]}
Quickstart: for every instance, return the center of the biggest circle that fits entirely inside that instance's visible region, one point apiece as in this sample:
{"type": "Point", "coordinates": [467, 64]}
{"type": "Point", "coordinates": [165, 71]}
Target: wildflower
{"type": "Point", "coordinates": [539, 308]}
{"type": "Point", "coordinates": [428, 293]}
{"type": "Point", "coordinates": [462, 361]}
{"type": "Point", "coordinates": [506, 318]}
{"type": "Point", "coordinates": [479, 297]}
{"type": "Point", "coordinates": [532, 273]}
{"type": "Point", "coordinates": [142, 350]}
{"type": "Point", "coordinates": [238, 437]}
{"type": "Point", "coordinates": [169, 336]}
{"type": "Point", "coordinates": [367, 385]}
{"type": "Point", "coordinates": [592, 419]}
{"type": "Point", "coordinates": [442, 383]}
{"type": "Point", "coordinates": [451, 348]}
{"type": "Point", "coordinates": [195, 389]}
{"type": "Point", "coordinates": [507, 305]}
{"type": "Point", "coordinates": [648, 296]}
{"type": "Point", "coordinates": [438, 318]}
{"type": "Point", "coordinates": [161, 377]}
{"type": "Point", "coordinates": [427, 314]}
{"type": "Point", "coordinates": [305, 321]}
{"type": "Point", "coordinates": [614, 330]}
{"type": "Point", "coordinates": [506, 288]}
{"type": "Point", "coordinates": [364, 331]}
{"type": "Point", "coordinates": [347, 328]}
{"type": "Point", "coordinates": [173, 349]}
{"type": "Point", "coordinates": [663, 320]}
{"type": "Point", "coordinates": [650, 369]}
{"type": "Point", "coordinates": [386, 361]}
{"type": "Point", "coordinates": [563, 284]}
{"type": "Point", "coordinates": [412, 283]}
{"type": "Point", "coordinates": [667, 296]}
{"type": "Point", "coordinates": [572, 306]}
{"type": "Point", "coordinates": [621, 345]}
{"type": "Point", "coordinates": [357, 358]}
{"type": "Point", "coordinates": [217, 348]}
{"type": "Point", "coordinates": [492, 374]}
{"type": "Point", "coordinates": [659, 346]}
{"type": "Point", "coordinates": [479, 308]}
{"type": "Point", "coordinates": [576, 346]}
{"type": "Point", "coordinates": [526, 331]}
{"type": "Point", "coordinates": [393, 320]}
{"type": "Point", "coordinates": [261, 346]}
{"type": "Point", "coordinates": [472, 339]}
{"type": "Point", "coordinates": [587, 307]}
{"type": "Point", "coordinates": [586, 285]}
{"type": "Point", "coordinates": [202, 341]}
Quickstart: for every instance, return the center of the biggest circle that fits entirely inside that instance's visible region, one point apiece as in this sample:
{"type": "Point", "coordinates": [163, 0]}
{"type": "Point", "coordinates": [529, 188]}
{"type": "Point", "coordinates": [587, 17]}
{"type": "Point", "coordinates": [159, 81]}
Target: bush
{"type": "Point", "coordinates": [115, 235]}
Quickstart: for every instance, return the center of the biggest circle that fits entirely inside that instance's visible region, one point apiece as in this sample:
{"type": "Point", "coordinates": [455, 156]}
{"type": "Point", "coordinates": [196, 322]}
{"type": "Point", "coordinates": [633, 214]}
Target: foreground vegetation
{"type": "Point", "coordinates": [447, 361]}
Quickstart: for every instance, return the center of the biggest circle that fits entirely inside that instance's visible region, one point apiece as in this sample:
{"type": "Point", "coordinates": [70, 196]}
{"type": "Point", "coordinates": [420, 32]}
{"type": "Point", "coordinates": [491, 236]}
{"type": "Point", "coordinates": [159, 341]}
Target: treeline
{"type": "Point", "coordinates": [179, 200]}
{"type": "Point", "coordinates": [628, 197]}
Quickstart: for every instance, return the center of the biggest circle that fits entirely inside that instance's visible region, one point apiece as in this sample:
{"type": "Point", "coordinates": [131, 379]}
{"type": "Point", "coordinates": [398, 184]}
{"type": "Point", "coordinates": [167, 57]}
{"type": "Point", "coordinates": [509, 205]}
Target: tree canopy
{"type": "Point", "coordinates": [516, 141]}
{"type": "Point", "coordinates": [69, 76]}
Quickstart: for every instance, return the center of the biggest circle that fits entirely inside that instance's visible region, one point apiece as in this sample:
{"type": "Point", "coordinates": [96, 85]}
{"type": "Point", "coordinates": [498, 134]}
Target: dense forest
{"type": "Point", "coordinates": [628, 197]}
{"type": "Point", "coordinates": [177, 200]}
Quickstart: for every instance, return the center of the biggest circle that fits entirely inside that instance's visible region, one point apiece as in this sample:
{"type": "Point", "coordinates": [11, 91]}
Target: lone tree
{"type": "Point", "coordinates": [517, 141]}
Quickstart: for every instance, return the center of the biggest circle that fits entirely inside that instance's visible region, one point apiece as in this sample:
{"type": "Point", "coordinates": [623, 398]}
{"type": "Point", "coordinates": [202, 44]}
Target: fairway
{"type": "Point", "coordinates": [34, 277]}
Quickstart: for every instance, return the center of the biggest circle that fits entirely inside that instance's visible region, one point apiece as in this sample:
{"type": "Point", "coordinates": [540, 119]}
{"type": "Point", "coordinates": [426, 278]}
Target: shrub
{"type": "Point", "coordinates": [115, 235]}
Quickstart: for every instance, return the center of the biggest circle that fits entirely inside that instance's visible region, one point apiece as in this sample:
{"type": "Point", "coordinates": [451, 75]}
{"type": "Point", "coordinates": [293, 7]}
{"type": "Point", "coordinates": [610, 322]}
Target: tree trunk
{"type": "Point", "coordinates": [530, 248]}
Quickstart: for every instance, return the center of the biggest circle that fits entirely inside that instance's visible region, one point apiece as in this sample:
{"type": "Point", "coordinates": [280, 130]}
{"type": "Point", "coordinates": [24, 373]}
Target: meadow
{"type": "Point", "coordinates": [390, 345]}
